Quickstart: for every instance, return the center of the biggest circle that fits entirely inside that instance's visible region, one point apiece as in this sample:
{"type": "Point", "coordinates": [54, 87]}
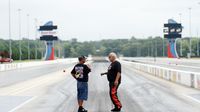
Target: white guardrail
{"type": "Point", "coordinates": [190, 79]}
{"type": "Point", "coordinates": [12, 66]}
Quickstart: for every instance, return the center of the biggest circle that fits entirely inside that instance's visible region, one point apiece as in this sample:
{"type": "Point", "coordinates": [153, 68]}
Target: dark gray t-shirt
{"type": "Point", "coordinates": [113, 69]}
{"type": "Point", "coordinates": [83, 70]}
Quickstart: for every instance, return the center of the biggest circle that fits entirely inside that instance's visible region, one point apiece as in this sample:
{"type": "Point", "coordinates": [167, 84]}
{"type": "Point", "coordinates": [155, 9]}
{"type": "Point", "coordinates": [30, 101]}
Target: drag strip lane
{"type": "Point", "coordinates": [138, 93]}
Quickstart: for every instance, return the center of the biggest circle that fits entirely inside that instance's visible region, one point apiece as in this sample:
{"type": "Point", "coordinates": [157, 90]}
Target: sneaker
{"type": "Point", "coordinates": [116, 110]}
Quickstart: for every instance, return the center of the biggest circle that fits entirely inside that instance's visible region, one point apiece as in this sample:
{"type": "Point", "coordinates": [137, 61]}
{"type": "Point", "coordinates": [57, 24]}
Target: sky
{"type": "Point", "coordinates": [99, 19]}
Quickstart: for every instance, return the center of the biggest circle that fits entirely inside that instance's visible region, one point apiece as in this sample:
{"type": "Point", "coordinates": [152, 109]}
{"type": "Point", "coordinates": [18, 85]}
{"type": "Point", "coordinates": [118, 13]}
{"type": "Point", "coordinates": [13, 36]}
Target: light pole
{"type": "Point", "coordinates": [41, 48]}
{"type": "Point", "coordinates": [190, 30]}
{"type": "Point", "coordinates": [59, 48]}
{"type": "Point", "coordinates": [148, 51]}
{"type": "Point", "coordinates": [181, 46]}
{"type": "Point", "coordinates": [163, 47]}
{"type": "Point", "coordinates": [137, 45]}
{"type": "Point", "coordinates": [156, 45]}
{"type": "Point", "coordinates": [9, 28]}
{"type": "Point", "coordinates": [198, 52]}
{"type": "Point", "coordinates": [155, 49]}
{"type": "Point", "coordinates": [152, 48]}
{"type": "Point", "coordinates": [36, 34]}
{"type": "Point", "coordinates": [197, 42]}
{"type": "Point", "coordinates": [28, 36]}
{"type": "Point", "coordinates": [20, 49]}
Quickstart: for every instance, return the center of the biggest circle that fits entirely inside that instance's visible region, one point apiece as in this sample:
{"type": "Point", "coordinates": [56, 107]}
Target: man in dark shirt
{"type": "Point", "coordinates": [114, 78]}
{"type": "Point", "coordinates": [80, 73]}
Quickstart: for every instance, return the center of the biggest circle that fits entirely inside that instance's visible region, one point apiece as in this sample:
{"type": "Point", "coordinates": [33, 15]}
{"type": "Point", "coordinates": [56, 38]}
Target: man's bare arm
{"type": "Point", "coordinates": [117, 79]}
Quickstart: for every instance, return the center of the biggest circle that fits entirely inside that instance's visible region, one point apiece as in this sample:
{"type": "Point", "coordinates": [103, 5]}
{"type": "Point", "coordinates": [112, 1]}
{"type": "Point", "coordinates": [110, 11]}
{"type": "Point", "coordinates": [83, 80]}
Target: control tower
{"type": "Point", "coordinates": [48, 32]}
{"type": "Point", "coordinates": [172, 31]}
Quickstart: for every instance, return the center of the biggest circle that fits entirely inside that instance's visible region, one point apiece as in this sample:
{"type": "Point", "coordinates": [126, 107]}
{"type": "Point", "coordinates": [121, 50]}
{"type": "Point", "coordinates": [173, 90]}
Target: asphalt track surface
{"type": "Point", "coordinates": [55, 91]}
{"type": "Point", "coordinates": [19, 75]}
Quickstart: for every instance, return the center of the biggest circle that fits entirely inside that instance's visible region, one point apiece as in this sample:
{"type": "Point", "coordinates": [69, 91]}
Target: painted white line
{"type": "Point", "coordinates": [19, 106]}
{"type": "Point", "coordinates": [194, 99]}
{"type": "Point", "coordinates": [189, 66]}
{"type": "Point", "coordinates": [173, 64]}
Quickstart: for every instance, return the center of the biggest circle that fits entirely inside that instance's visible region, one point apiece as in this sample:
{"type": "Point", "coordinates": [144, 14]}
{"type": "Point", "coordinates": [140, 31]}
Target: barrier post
{"type": "Point", "coordinates": [192, 80]}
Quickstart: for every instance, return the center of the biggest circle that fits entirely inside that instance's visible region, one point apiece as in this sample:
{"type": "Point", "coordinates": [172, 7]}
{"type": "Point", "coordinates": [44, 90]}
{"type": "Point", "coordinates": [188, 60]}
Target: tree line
{"type": "Point", "coordinates": [133, 47]}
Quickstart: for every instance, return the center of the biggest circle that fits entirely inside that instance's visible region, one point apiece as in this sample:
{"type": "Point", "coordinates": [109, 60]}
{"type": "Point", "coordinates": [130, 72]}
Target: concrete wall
{"type": "Point", "coordinates": [12, 66]}
{"type": "Point", "coordinates": [190, 79]}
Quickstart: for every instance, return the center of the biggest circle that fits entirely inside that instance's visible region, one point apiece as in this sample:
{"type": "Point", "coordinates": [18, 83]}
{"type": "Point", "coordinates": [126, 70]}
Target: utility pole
{"type": "Point", "coordinates": [60, 46]}
{"type": "Point", "coordinates": [152, 48]}
{"type": "Point", "coordinates": [9, 28]}
{"type": "Point", "coordinates": [156, 53]}
{"type": "Point", "coordinates": [190, 31]}
{"type": "Point", "coordinates": [198, 42]}
{"type": "Point", "coordinates": [181, 46]}
{"type": "Point", "coordinates": [148, 50]}
{"type": "Point", "coordinates": [155, 49]}
{"type": "Point", "coordinates": [163, 47]}
{"type": "Point", "coordinates": [137, 54]}
{"type": "Point", "coordinates": [198, 52]}
{"type": "Point", "coordinates": [20, 37]}
{"type": "Point", "coordinates": [28, 25]}
{"type": "Point", "coordinates": [36, 35]}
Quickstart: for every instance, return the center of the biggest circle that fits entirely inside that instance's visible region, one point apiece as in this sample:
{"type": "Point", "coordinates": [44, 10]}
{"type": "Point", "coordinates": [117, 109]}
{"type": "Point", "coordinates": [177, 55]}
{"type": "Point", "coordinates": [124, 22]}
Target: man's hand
{"type": "Point", "coordinates": [102, 74]}
{"type": "Point", "coordinates": [116, 83]}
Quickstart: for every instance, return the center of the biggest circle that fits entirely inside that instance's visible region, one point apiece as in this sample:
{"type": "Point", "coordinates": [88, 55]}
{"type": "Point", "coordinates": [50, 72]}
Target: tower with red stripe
{"type": "Point", "coordinates": [172, 31]}
{"type": "Point", "coordinates": [48, 34]}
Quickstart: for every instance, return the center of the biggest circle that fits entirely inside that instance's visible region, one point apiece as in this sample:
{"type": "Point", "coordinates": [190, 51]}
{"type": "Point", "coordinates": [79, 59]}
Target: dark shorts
{"type": "Point", "coordinates": [82, 90]}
